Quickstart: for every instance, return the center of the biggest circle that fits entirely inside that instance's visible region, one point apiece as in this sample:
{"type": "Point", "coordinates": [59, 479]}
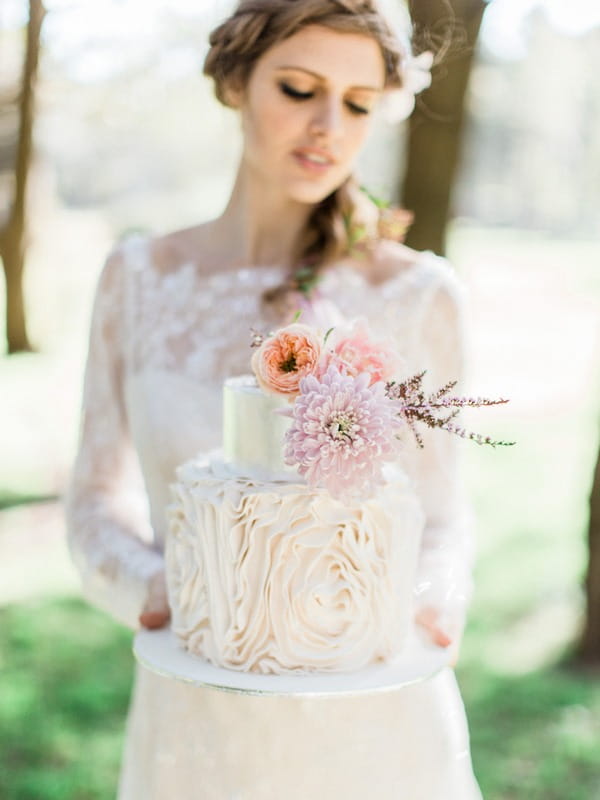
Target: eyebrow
{"type": "Point", "coordinates": [322, 78]}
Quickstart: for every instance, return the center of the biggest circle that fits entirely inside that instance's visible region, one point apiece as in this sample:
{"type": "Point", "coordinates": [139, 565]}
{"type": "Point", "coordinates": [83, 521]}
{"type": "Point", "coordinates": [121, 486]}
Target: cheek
{"type": "Point", "coordinates": [271, 126]}
{"type": "Point", "coordinates": [358, 132]}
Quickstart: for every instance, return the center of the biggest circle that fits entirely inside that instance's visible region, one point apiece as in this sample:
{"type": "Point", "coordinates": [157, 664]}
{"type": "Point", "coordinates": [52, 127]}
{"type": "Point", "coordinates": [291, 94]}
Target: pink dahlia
{"type": "Point", "coordinates": [342, 432]}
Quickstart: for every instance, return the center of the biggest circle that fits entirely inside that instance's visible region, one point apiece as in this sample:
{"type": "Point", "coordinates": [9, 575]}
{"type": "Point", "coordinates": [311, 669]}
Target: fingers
{"type": "Point", "coordinates": [154, 619]}
{"type": "Point", "coordinates": [440, 638]}
{"type": "Point", "coordinates": [428, 619]}
{"type": "Point", "coordinates": [156, 613]}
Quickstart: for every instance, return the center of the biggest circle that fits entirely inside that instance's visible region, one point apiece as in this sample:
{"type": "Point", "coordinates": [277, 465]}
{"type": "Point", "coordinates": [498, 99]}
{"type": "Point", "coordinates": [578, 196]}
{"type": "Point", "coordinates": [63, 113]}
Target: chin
{"type": "Point", "coordinates": [312, 193]}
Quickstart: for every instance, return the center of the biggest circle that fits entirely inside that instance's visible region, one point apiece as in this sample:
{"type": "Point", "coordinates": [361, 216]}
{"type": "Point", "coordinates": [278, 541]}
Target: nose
{"type": "Point", "coordinates": [327, 120]}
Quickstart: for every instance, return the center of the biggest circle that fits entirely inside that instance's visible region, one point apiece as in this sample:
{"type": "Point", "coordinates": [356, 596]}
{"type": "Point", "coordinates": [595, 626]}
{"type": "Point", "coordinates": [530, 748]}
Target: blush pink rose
{"type": "Point", "coordinates": [285, 358]}
{"type": "Point", "coordinates": [354, 349]}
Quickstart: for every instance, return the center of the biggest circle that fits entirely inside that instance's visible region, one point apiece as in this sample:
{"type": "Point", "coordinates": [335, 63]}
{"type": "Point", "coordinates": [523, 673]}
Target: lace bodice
{"type": "Point", "coordinates": [163, 340]}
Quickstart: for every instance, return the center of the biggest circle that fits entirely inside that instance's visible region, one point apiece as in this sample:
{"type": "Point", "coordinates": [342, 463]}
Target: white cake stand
{"type": "Point", "coordinates": [160, 652]}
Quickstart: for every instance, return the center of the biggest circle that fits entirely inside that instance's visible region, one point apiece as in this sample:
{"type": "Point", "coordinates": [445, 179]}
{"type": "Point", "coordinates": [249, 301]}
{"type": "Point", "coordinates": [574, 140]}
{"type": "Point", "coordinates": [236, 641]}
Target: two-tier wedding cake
{"type": "Point", "coordinates": [295, 548]}
{"type": "Point", "coordinates": [268, 575]}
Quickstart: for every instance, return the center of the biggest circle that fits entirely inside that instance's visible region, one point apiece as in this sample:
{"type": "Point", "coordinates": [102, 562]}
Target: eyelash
{"type": "Point", "coordinates": [294, 94]}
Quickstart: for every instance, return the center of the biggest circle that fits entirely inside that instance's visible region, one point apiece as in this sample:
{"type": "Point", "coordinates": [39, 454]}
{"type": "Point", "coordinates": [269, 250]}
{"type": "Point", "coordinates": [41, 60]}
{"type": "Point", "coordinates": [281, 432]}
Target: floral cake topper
{"type": "Point", "coordinates": [348, 407]}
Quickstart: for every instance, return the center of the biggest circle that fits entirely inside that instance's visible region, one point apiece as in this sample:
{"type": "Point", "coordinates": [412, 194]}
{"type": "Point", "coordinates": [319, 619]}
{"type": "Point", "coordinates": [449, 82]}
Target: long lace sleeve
{"type": "Point", "coordinates": [444, 582]}
{"type": "Point", "coordinates": [107, 520]}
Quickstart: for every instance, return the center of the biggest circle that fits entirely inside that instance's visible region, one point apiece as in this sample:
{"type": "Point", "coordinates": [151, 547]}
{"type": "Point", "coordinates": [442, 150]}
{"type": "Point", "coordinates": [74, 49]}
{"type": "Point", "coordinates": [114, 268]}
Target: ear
{"type": "Point", "coordinates": [233, 95]}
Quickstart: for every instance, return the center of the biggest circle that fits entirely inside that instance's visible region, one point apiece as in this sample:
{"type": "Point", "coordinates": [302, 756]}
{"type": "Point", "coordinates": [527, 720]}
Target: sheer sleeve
{"type": "Point", "coordinates": [444, 581]}
{"type": "Point", "coordinates": [108, 528]}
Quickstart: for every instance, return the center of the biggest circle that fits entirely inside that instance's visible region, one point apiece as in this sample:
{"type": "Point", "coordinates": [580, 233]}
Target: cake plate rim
{"type": "Point", "coordinates": [159, 652]}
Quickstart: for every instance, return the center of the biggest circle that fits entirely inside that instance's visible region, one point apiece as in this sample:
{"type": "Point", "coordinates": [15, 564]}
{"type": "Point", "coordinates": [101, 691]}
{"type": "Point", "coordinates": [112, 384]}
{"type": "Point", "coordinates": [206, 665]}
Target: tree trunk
{"type": "Point", "coordinates": [435, 128]}
{"type": "Point", "coordinates": [589, 647]}
{"type": "Point", "coordinates": [12, 252]}
{"type": "Point", "coordinates": [13, 240]}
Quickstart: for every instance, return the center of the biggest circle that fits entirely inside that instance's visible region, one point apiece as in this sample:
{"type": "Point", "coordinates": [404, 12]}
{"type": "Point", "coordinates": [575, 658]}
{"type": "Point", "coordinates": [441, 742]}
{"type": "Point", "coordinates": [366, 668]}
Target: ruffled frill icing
{"type": "Point", "coordinates": [277, 577]}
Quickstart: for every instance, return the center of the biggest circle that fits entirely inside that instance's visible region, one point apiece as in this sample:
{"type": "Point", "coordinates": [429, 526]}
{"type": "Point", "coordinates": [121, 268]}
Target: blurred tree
{"type": "Point", "coordinates": [589, 648]}
{"type": "Point", "coordinates": [13, 235]}
{"type": "Point", "coordinates": [450, 28]}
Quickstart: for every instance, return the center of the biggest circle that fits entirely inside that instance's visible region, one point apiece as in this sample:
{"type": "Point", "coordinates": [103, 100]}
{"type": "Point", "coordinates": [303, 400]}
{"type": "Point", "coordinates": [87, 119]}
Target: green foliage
{"type": "Point", "coordinates": [64, 683]}
{"type": "Point", "coordinates": [9, 499]}
{"type": "Point", "coordinates": [534, 736]}
{"type": "Point", "coordinates": [378, 201]}
{"type": "Point", "coordinates": [306, 279]}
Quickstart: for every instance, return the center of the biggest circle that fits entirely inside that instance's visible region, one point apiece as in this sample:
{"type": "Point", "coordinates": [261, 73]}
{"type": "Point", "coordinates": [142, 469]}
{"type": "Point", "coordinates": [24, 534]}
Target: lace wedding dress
{"type": "Point", "coordinates": [162, 341]}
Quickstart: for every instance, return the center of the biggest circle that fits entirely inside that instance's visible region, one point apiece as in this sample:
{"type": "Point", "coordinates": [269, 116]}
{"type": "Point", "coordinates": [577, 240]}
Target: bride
{"type": "Point", "coordinates": [170, 323]}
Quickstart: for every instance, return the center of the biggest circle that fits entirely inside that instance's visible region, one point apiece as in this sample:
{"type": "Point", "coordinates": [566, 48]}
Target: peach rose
{"type": "Point", "coordinates": [353, 350]}
{"type": "Point", "coordinates": [285, 358]}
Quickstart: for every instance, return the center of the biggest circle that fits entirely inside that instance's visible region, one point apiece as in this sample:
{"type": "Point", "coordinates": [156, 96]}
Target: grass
{"type": "Point", "coordinates": [534, 736]}
{"type": "Point", "coordinates": [64, 686]}
{"type": "Point", "coordinates": [10, 499]}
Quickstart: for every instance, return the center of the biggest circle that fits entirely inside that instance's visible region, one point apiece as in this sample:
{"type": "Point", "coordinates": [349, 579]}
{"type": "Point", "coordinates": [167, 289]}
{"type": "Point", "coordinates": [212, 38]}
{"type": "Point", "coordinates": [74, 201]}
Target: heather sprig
{"type": "Point", "coordinates": [414, 405]}
{"type": "Point", "coordinates": [256, 337]}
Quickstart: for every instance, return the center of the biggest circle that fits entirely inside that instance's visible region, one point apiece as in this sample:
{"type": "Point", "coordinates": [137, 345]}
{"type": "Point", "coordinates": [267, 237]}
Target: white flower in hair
{"type": "Point", "coordinates": [398, 104]}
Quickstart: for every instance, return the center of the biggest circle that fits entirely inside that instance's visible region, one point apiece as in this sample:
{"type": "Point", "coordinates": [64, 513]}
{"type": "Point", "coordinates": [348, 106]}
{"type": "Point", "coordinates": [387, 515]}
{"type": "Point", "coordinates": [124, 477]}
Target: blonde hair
{"type": "Point", "coordinates": [235, 47]}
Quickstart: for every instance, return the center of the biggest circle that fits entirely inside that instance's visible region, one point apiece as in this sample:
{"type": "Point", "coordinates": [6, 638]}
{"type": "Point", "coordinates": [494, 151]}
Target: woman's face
{"type": "Point", "coordinates": [307, 108]}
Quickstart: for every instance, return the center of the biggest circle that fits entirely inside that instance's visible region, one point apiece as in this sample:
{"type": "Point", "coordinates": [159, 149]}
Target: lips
{"type": "Point", "coordinates": [313, 159]}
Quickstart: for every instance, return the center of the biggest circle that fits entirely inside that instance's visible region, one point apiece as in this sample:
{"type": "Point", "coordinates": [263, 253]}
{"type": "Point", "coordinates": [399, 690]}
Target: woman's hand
{"type": "Point", "coordinates": [429, 619]}
{"type": "Point", "coordinates": [156, 613]}
{"type": "Point", "coordinates": [154, 619]}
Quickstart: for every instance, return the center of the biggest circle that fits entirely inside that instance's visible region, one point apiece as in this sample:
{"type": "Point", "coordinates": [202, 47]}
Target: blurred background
{"type": "Point", "coordinates": [107, 126]}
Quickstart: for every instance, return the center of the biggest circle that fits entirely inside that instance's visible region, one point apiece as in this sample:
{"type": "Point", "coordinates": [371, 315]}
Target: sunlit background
{"type": "Point", "coordinates": [128, 136]}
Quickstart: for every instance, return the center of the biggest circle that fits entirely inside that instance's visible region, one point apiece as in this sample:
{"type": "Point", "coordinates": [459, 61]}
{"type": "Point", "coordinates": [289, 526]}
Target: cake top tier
{"type": "Point", "coordinates": [253, 434]}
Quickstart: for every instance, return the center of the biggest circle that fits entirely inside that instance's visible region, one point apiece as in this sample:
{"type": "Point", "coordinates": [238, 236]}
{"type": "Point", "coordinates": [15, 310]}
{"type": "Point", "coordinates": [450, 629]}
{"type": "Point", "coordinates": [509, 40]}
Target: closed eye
{"type": "Point", "coordinates": [295, 94]}
{"type": "Point", "coordinates": [357, 109]}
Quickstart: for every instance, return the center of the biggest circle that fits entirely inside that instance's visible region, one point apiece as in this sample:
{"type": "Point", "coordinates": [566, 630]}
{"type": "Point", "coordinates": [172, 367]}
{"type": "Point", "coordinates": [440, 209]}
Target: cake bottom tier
{"type": "Point", "coordinates": [277, 577]}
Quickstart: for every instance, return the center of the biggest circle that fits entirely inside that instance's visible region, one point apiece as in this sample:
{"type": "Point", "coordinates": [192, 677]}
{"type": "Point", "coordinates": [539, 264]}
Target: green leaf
{"type": "Point", "coordinates": [376, 200]}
